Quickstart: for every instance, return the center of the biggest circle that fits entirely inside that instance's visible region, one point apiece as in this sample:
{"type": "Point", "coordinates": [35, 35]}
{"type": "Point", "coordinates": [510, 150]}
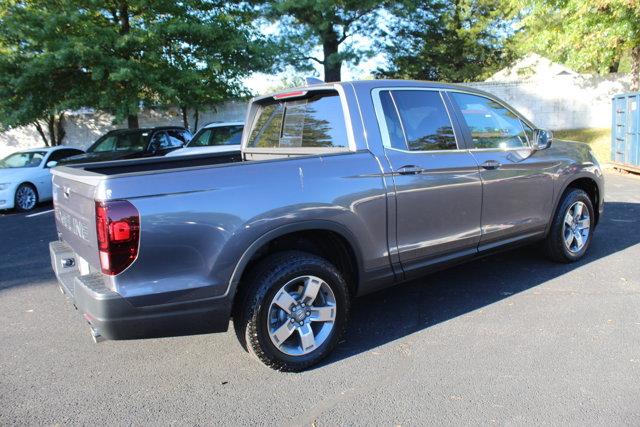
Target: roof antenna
{"type": "Point", "coordinates": [312, 81]}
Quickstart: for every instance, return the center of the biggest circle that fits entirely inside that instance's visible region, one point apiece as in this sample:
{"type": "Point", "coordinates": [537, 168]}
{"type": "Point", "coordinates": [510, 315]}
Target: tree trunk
{"type": "Point", "coordinates": [332, 62]}
{"type": "Point", "coordinates": [185, 117]}
{"type": "Point", "coordinates": [635, 68]}
{"type": "Point", "coordinates": [614, 66]}
{"type": "Point", "coordinates": [59, 129]}
{"type": "Point", "coordinates": [123, 12]}
{"type": "Point", "coordinates": [132, 121]}
{"type": "Point", "coordinates": [196, 119]}
{"type": "Point", "coordinates": [55, 130]}
{"type": "Point", "coordinates": [125, 27]}
{"type": "Point", "coordinates": [41, 132]}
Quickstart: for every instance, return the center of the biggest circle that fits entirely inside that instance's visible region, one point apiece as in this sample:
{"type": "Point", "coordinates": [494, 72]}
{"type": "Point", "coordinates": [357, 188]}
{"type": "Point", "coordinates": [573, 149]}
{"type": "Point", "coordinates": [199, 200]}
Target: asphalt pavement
{"type": "Point", "coordinates": [508, 339]}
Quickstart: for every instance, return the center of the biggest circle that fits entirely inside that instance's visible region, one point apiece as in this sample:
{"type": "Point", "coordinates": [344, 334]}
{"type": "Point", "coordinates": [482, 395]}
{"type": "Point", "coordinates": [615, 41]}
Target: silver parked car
{"type": "Point", "coordinates": [341, 189]}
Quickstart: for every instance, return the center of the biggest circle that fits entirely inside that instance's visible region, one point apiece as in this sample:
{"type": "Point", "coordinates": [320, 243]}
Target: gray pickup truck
{"type": "Point", "coordinates": [340, 190]}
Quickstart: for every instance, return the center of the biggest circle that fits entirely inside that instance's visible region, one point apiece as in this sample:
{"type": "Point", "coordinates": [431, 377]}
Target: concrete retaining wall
{"type": "Point", "coordinates": [557, 102]}
{"type": "Point", "coordinates": [563, 101]}
{"type": "Point", "coordinates": [83, 129]}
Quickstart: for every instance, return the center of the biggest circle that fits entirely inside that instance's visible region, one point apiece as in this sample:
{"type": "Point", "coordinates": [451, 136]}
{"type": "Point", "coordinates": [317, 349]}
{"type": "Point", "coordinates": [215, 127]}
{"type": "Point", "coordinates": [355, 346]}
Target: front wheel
{"type": "Point", "coordinates": [26, 198]}
{"type": "Point", "coordinates": [293, 311]}
{"type": "Point", "coordinates": [572, 228]}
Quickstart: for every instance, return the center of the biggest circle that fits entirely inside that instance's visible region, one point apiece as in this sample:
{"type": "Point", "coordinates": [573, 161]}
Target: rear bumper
{"type": "Point", "coordinates": [114, 317]}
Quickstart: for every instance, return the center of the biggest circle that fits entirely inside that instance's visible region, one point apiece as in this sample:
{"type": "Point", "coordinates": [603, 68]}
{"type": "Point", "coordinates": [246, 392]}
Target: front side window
{"type": "Point", "coordinates": [491, 124]}
{"type": "Point", "coordinates": [417, 120]}
{"type": "Point", "coordinates": [176, 139]}
{"type": "Point", "coordinates": [314, 122]}
{"type": "Point", "coordinates": [29, 159]}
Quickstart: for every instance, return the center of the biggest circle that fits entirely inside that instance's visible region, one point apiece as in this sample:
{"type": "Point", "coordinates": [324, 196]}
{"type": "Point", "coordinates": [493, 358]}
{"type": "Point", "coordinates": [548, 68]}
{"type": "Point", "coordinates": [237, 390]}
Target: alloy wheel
{"type": "Point", "coordinates": [301, 315]}
{"type": "Point", "coordinates": [26, 198]}
{"type": "Point", "coordinates": [576, 227]}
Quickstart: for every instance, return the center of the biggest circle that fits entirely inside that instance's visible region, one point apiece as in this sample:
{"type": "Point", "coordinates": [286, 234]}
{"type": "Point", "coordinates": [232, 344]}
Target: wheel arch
{"type": "Point", "coordinates": [590, 186]}
{"type": "Point", "coordinates": [318, 237]}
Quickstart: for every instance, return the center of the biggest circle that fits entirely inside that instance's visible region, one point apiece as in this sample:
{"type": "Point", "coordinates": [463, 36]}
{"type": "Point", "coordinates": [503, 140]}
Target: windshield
{"type": "Point", "coordinates": [221, 135]}
{"type": "Point", "coordinates": [121, 141]}
{"type": "Point", "coordinates": [29, 159]}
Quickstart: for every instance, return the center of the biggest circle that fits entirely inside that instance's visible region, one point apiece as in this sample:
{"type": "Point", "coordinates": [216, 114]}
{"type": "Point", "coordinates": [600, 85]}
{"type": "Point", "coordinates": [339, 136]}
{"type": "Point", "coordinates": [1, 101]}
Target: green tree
{"type": "Point", "coordinates": [447, 40]}
{"type": "Point", "coordinates": [595, 36]}
{"type": "Point", "coordinates": [307, 24]}
{"type": "Point", "coordinates": [36, 84]}
{"type": "Point", "coordinates": [118, 55]}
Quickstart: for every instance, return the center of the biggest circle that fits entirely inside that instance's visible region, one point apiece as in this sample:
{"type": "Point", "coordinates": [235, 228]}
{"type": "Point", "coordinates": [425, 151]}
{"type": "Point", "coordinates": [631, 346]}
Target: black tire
{"type": "Point", "coordinates": [35, 194]}
{"type": "Point", "coordinates": [554, 245]}
{"type": "Point", "coordinates": [252, 307]}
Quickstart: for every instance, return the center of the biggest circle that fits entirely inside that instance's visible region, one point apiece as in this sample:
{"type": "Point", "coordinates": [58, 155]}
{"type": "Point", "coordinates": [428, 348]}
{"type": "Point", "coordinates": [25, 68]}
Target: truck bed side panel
{"type": "Point", "coordinates": [191, 241]}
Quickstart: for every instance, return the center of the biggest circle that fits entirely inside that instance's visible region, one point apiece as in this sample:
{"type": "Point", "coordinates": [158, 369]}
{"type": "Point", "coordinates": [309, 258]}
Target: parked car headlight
{"type": "Point", "coordinates": [4, 186]}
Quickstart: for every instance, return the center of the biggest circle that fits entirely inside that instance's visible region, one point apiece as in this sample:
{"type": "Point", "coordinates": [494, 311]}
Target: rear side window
{"type": "Point", "coordinates": [313, 122]}
{"type": "Point", "coordinates": [417, 120]}
{"type": "Point", "coordinates": [491, 124]}
{"type": "Point", "coordinates": [220, 135]}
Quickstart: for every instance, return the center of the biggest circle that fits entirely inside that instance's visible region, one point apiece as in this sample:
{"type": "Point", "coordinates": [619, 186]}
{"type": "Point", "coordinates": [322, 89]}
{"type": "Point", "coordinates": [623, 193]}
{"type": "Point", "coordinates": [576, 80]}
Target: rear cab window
{"type": "Point", "coordinates": [415, 120]}
{"type": "Point", "coordinates": [312, 123]}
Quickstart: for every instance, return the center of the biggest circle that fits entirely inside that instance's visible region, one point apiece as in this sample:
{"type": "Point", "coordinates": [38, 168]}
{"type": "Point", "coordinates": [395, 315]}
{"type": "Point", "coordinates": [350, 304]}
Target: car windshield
{"type": "Point", "coordinates": [28, 159]}
{"type": "Point", "coordinates": [220, 135]}
{"type": "Point", "coordinates": [121, 141]}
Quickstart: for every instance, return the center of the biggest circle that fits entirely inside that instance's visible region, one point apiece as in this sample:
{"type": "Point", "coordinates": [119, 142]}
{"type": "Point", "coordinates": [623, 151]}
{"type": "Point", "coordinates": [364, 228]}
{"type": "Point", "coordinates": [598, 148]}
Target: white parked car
{"type": "Point", "coordinates": [25, 177]}
{"type": "Point", "coordinates": [213, 138]}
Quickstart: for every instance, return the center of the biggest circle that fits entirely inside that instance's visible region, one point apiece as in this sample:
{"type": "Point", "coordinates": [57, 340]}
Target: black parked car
{"type": "Point", "coordinates": [123, 144]}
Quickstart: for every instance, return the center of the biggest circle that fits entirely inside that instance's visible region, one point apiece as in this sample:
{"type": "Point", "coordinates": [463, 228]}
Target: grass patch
{"type": "Point", "coordinates": [598, 139]}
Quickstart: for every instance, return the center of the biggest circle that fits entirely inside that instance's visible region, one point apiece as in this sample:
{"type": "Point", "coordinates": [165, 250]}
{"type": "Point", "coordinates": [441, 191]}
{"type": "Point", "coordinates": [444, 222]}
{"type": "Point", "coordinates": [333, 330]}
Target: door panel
{"type": "Point", "coordinates": [517, 182]}
{"type": "Point", "coordinates": [438, 191]}
{"type": "Point", "coordinates": [438, 209]}
{"type": "Point", "coordinates": [517, 195]}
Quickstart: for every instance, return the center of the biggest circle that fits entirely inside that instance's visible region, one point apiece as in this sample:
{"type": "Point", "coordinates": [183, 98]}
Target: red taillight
{"type": "Point", "coordinates": [118, 229]}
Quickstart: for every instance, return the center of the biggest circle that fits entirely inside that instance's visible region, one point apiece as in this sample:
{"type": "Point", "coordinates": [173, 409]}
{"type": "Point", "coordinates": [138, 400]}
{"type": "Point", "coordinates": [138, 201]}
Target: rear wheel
{"type": "Point", "coordinates": [26, 198]}
{"type": "Point", "coordinates": [572, 228]}
{"type": "Point", "coordinates": [293, 311]}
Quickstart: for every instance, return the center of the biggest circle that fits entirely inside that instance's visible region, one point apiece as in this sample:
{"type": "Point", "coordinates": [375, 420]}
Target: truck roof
{"type": "Point", "coordinates": [359, 85]}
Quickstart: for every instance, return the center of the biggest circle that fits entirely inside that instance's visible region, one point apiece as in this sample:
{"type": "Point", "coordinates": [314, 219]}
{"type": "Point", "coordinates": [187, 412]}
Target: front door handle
{"type": "Point", "coordinates": [491, 165]}
{"type": "Point", "coordinates": [410, 170]}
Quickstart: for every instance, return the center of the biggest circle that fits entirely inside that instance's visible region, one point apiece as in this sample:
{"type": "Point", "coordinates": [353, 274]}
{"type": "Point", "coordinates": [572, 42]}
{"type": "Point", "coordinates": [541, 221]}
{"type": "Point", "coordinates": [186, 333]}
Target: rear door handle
{"type": "Point", "coordinates": [410, 170]}
{"type": "Point", "coordinates": [491, 164]}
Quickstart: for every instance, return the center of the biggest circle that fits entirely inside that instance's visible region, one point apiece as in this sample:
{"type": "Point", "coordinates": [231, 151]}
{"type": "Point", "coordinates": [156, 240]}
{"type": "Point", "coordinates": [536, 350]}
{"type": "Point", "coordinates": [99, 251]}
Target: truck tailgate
{"type": "Point", "coordinates": [75, 217]}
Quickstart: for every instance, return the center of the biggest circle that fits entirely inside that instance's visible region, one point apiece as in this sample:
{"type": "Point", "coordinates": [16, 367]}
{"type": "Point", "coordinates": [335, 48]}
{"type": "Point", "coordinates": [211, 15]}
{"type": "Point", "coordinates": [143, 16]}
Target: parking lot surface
{"type": "Point", "coordinates": [508, 339]}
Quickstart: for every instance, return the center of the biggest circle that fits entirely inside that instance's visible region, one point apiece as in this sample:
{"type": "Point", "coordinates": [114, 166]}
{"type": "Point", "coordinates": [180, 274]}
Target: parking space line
{"type": "Point", "coordinates": [39, 213]}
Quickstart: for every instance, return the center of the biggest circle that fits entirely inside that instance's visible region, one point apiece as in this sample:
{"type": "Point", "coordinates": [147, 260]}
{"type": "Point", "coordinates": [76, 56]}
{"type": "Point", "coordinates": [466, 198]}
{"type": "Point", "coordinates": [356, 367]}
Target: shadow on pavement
{"type": "Point", "coordinates": [24, 248]}
{"type": "Point", "coordinates": [396, 312]}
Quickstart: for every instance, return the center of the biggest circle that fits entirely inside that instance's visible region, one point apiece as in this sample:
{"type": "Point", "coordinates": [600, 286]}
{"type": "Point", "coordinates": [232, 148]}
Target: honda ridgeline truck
{"type": "Point", "coordinates": [340, 190]}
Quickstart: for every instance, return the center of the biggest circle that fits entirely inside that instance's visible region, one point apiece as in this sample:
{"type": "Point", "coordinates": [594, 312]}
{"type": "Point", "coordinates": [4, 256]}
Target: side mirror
{"type": "Point", "coordinates": [542, 139]}
{"type": "Point", "coordinates": [52, 164]}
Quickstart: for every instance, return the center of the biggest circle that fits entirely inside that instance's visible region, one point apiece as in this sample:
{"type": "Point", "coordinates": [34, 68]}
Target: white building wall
{"type": "Point", "coordinates": [562, 101]}
{"type": "Point", "coordinates": [565, 101]}
{"type": "Point", "coordinates": [83, 129]}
